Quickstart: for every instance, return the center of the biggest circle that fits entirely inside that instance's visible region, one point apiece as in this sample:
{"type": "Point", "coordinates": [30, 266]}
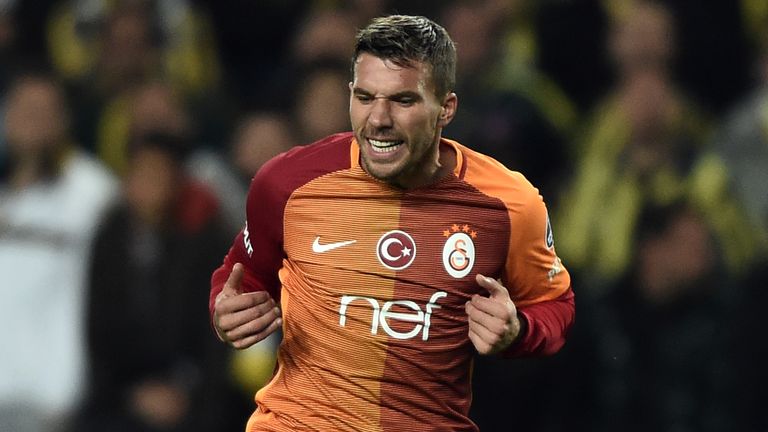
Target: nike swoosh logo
{"type": "Point", "coordinates": [322, 248]}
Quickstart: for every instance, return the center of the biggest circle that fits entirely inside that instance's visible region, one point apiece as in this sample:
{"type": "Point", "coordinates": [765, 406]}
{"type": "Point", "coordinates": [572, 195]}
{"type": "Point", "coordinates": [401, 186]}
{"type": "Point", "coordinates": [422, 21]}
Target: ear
{"type": "Point", "coordinates": [448, 109]}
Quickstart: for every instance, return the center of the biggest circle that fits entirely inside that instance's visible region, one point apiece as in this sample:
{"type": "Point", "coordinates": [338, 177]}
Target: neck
{"type": "Point", "coordinates": [443, 161]}
{"type": "Point", "coordinates": [24, 174]}
{"type": "Point", "coordinates": [27, 169]}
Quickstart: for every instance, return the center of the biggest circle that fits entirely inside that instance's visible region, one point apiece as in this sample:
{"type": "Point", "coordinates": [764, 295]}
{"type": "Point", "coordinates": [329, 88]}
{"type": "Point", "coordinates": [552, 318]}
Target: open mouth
{"type": "Point", "coordinates": [382, 146]}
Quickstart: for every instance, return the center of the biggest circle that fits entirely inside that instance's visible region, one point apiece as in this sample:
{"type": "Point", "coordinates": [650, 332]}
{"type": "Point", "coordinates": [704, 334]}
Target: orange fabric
{"type": "Point", "coordinates": [313, 284]}
{"type": "Point", "coordinates": [533, 272]}
{"type": "Point", "coordinates": [375, 333]}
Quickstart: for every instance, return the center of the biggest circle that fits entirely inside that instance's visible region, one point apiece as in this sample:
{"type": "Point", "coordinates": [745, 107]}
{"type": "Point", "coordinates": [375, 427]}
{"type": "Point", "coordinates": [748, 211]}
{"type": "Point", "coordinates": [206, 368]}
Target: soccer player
{"type": "Point", "coordinates": [394, 254]}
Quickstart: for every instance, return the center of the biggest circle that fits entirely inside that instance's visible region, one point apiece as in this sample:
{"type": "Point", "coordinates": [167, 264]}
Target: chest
{"type": "Point", "coordinates": [387, 248]}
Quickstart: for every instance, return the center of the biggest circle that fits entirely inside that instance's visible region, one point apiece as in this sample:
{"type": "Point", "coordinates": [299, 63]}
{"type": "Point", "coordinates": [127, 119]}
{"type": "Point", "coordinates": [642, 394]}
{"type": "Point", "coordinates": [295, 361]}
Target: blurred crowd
{"type": "Point", "coordinates": [130, 129]}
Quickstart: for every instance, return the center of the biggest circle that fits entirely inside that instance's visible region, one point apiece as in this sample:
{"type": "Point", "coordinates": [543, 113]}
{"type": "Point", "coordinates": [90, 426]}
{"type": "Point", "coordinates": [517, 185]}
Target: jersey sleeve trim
{"type": "Point", "coordinates": [548, 323]}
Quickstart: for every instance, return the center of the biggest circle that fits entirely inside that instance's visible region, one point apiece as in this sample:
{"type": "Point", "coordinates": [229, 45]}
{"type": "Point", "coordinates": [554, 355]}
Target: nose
{"type": "Point", "coordinates": [380, 116]}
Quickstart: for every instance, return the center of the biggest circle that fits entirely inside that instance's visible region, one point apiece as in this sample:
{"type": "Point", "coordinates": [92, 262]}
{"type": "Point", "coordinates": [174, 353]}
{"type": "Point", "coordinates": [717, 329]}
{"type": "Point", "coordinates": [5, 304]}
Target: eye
{"type": "Point", "coordinates": [363, 98]}
{"type": "Point", "coordinates": [405, 101]}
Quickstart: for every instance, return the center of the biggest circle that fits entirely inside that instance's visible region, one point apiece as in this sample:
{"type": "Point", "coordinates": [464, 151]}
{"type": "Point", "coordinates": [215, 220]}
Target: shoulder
{"type": "Point", "coordinates": [492, 178]}
{"type": "Point", "coordinates": [82, 165]}
{"type": "Point", "coordinates": [302, 164]}
{"type": "Point", "coordinates": [89, 177]}
{"type": "Point", "coordinates": [282, 175]}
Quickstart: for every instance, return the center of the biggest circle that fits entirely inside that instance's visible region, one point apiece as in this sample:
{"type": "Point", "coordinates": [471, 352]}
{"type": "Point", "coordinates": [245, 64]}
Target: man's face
{"type": "Point", "coordinates": [397, 120]}
{"type": "Point", "coordinates": [151, 183]}
{"type": "Point", "coordinates": [35, 120]}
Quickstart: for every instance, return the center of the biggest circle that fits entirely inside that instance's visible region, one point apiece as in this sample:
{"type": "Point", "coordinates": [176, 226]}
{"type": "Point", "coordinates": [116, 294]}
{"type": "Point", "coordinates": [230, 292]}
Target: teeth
{"type": "Point", "coordinates": [384, 146]}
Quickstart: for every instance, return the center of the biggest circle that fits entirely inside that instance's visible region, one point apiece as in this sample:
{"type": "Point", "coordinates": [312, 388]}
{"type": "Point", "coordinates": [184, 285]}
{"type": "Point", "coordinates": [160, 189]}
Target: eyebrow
{"type": "Point", "coordinates": [395, 96]}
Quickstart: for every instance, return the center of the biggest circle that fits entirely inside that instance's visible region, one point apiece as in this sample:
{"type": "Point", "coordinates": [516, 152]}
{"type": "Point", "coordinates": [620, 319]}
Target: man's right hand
{"type": "Point", "coordinates": [243, 319]}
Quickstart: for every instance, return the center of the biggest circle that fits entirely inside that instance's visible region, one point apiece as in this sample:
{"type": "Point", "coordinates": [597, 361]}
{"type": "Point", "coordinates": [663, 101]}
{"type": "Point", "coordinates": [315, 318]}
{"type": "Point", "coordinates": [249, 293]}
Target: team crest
{"type": "Point", "coordinates": [396, 250]}
{"type": "Point", "coordinates": [459, 250]}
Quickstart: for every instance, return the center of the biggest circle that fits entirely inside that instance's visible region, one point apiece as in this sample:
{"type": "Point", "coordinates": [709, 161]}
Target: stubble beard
{"type": "Point", "coordinates": [406, 169]}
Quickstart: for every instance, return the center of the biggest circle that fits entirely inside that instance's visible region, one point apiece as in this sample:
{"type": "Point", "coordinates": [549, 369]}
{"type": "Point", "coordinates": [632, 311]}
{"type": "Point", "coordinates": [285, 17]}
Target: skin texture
{"type": "Point", "coordinates": [36, 125]}
{"type": "Point", "coordinates": [395, 106]}
{"type": "Point", "coordinates": [243, 319]}
{"type": "Point", "coordinates": [493, 320]}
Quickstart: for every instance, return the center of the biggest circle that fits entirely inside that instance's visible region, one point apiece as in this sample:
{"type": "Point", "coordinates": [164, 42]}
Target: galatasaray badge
{"type": "Point", "coordinates": [459, 250]}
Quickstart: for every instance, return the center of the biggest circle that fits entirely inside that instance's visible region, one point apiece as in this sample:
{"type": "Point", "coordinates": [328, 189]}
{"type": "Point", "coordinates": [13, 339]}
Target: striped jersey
{"type": "Point", "coordinates": [373, 280]}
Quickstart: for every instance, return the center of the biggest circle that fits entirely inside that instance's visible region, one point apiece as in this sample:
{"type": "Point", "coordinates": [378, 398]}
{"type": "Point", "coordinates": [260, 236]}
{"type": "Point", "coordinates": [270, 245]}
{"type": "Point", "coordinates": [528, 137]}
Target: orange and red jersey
{"type": "Point", "coordinates": [373, 280]}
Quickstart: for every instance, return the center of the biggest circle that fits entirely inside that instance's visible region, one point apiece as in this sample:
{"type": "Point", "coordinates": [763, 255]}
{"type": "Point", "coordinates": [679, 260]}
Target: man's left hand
{"type": "Point", "coordinates": [493, 320]}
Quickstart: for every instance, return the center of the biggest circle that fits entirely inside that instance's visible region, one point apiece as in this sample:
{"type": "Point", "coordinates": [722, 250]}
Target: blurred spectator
{"type": "Point", "coordinates": [655, 238]}
{"type": "Point", "coordinates": [510, 111]}
{"type": "Point", "coordinates": [321, 105]}
{"type": "Point", "coordinates": [660, 340]}
{"type": "Point", "coordinates": [150, 107]}
{"type": "Point", "coordinates": [116, 36]}
{"type": "Point", "coordinates": [643, 147]}
{"type": "Point", "coordinates": [721, 53]}
{"type": "Point", "coordinates": [742, 143]}
{"type": "Point", "coordinates": [742, 146]}
{"type": "Point", "coordinates": [521, 72]}
{"type": "Point", "coordinates": [153, 108]}
{"type": "Point", "coordinates": [155, 366]}
{"type": "Point", "coordinates": [321, 41]}
{"type": "Point", "coordinates": [137, 67]}
{"type": "Point", "coordinates": [324, 35]}
{"type": "Point", "coordinates": [257, 138]}
{"type": "Point", "coordinates": [124, 57]}
{"type": "Point", "coordinates": [124, 45]}
{"type": "Point", "coordinates": [51, 200]}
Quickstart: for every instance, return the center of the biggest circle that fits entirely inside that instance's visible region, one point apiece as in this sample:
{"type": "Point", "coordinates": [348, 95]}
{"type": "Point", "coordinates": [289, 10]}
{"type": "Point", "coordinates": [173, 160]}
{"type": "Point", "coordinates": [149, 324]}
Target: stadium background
{"type": "Point", "coordinates": [630, 116]}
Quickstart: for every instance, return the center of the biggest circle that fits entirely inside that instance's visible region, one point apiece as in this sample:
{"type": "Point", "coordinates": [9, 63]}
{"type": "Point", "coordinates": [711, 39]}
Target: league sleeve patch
{"type": "Point", "coordinates": [247, 240]}
{"type": "Point", "coordinates": [550, 238]}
